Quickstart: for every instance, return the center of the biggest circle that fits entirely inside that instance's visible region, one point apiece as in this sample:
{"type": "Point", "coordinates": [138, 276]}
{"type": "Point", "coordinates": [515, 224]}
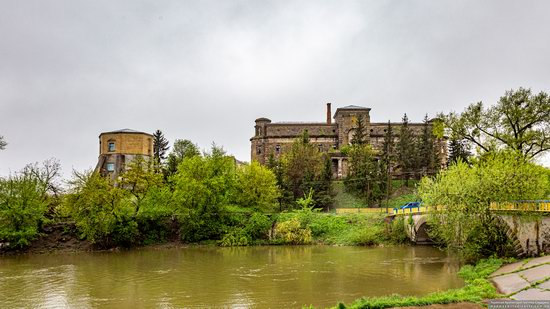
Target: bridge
{"type": "Point", "coordinates": [527, 224]}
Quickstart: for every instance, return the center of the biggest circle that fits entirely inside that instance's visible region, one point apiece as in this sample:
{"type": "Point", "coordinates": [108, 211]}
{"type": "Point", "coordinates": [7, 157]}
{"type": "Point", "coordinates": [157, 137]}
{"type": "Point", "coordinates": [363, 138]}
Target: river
{"type": "Point", "coordinates": [262, 277]}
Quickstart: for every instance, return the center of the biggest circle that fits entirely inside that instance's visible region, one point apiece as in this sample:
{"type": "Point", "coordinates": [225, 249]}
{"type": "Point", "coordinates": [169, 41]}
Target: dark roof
{"type": "Point", "coordinates": [352, 108]}
{"type": "Point", "coordinates": [126, 131]}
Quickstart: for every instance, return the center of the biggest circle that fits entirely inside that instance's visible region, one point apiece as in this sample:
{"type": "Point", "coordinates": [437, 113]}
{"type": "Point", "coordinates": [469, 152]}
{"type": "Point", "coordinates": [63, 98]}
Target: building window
{"type": "Point", "coordinates": [320, 146]}
{"type": "Point", "coordinates": [259, 150]}
{"type": "Point", "coordinates": [278, 149]}
{"type": "Point", "coordinates": [110, 167]}
{"type": "Point", "coordinates": [112, 146]}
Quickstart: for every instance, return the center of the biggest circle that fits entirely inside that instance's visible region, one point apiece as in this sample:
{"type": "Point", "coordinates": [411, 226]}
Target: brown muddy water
{"type": "Point", "coordinates": [242, 277]}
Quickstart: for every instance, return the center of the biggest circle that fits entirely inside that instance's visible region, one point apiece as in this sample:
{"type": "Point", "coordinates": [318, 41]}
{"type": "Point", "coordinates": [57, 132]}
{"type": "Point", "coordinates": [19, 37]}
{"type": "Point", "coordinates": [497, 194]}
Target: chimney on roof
{"type": "Point", "coordinates": [329, 114]}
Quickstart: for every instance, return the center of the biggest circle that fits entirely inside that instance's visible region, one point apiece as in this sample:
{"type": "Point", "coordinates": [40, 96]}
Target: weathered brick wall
{"type": "Point", "coordinates": [127, 143]}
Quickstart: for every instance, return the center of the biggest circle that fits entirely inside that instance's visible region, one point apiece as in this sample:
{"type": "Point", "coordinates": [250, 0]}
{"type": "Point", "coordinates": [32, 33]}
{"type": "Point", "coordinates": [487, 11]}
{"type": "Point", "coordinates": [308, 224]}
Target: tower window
{"type": "Point", "coordinates": [259, 150]}
{"type": "Point", "coordinates": [110, 167]}
{"type": "Point", "coordinates": [112, 146]}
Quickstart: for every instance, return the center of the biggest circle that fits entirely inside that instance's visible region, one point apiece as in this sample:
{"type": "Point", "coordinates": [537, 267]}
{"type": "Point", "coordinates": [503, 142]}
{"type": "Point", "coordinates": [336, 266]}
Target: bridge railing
{"type": "Point", "coordinates": [360, 210]}
{"type": "Point", "coordinates": [527, 205]}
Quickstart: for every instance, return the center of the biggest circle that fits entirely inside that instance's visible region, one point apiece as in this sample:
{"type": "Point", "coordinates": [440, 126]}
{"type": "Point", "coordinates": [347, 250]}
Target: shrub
{"type": "Point", "coordinates": [291, 232]}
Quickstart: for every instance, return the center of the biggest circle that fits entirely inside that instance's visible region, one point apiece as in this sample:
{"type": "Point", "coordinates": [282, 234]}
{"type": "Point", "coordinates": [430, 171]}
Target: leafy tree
{"type": "Point", "coordinates": [359, 132]}
{"type": "Point", "coordinates": [519, 121]}
{"type": "Point", "coordinates": [139, 179]}
{"type": "Point", "coordinates": [3, 143]}
{"type": "Point", "coordinates": [303, 170]}
{"type": "Point", "coordinates": [103, 213]}
{"type": "Point", "coordinates": [160, 147]}
{"type": "Point", "coordinates": [203, 189]}
{"type": "Point", "coordinates": [181, 149]}
{"type": "Point", "coordinates": [256, 187]}
{"type": "Point", "coordinates": [466, 193]}
{"type": "Point", "coordinates": [406, 150]}
{"type": "Point", "coordinates": [23, 205]}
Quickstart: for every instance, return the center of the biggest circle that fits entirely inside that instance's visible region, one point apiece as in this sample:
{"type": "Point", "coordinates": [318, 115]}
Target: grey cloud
{"type": "Point", "coordinates": [204, 70]}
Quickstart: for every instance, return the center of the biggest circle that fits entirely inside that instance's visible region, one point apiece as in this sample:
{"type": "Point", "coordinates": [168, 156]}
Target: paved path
{"type": "Point", "coordinates": [524, 280]}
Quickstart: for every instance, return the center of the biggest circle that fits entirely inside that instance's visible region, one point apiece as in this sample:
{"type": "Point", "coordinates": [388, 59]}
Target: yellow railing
{"type": "Point", "coordinates": [361, 210]}
{"type": "Point", "coordinates": [540, 205]}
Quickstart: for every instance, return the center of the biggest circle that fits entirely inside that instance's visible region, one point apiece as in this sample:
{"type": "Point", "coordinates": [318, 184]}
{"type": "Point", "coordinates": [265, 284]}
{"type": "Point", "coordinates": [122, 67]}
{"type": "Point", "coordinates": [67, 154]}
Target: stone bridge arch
{"type": "Point", "coordinates": [530, 235]}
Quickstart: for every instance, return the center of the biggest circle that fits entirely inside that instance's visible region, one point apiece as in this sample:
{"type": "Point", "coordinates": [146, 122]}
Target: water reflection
{"type": "Point", "coordinates": [222, 277]}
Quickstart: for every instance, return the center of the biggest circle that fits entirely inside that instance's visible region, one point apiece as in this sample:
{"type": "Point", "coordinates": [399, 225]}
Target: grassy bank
{"type": "Point", "coordinates": [477, 289]}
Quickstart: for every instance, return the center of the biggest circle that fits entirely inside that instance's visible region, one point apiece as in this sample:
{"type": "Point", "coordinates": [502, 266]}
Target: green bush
{"type": "Point", "coordinates": [235, 237]}
{"type": "Point", "coordinates": [291, 232]}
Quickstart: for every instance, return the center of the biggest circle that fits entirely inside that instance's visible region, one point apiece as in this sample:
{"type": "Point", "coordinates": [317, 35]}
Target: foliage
{"type": "Point", "coordinates": [365, 175]}
{"type": "Point", "coordinates": [23, 206]}
{"type": "Point", "coordinates": [3, 143]}
{"type": "Point", "coordinates": [203, 188]}
{"type": "Point", "coordinates": [477, 289]}
{"type": "Point", "coordinates": [359, 132]}
{"type": "Point", "coordinates": [466, 194]}
{"type": "Point", "coordinates": [180, 150]}
{"type": "Point", "coordinates": [519, 121]}
{"type": "Point", "coordinates": [291, 232]}
{"type": "Point", "coordinates": [160, 147]}
{"type": "Point", "coordinates": [304, 168]}
{"type": "Point", "coordinates": [102, 212]}
{"type": "Point", "coordinates": [458, 151]}
{"type": "Point", "coordinates": [139, 179]}
{"type": "Point", "coordinates": [256, 187]}
{"type": "Point", "coordinates": [427, 159]}
{"type": "Point", "coordinates": [406, 151]}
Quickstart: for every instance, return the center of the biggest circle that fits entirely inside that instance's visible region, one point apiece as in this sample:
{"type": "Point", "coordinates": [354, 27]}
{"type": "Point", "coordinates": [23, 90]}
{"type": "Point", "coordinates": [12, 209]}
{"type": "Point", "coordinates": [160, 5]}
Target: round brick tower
{"type": "Point", "coordinates": [118, 148]}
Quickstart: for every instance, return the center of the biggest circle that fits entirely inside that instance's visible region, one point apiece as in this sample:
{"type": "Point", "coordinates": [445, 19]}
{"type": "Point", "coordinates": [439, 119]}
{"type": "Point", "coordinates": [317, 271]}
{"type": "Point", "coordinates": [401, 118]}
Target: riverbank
{"type": "Point", "coordinates": [301, 227]}
{"type": "Point", "coordinates": [528, 279]}
{"type": "Point", "coordinates": [478, 288]}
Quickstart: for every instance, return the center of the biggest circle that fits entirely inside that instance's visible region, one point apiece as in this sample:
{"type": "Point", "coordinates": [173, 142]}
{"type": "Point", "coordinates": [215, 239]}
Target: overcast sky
{"type": "Point", "coordinates": [205, 70]}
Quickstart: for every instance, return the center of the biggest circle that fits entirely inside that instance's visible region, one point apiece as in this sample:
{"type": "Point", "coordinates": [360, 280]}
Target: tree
{"type": "Point", "coordinates": [23, 205]}
{"type": "Point", "coordinates": [3, 143]}
{"type": "Point", "coordinates": [406, 150]}
{"type": "Point", "coordinates": [181, 149]}
{"type": "Point", "coordinates": [303, 169]}
{"type": "Point", "coordinates": [103, 213]}
{"type": "Point", "coordinates": [256, 187]}
{"type": "Point", "coordinates": [359, 132]}
{"type": "Point", "coordinates": [427, 161]}
{"type": "Point", "coordinates": [519, 121]}
{"type": "Point", "coordinates": [160, 147]}
{"type": "Point", "coordinates": [458, 151]}
{"type": "Point", "coordinates": [203, 189]}
{"type": "Point", "coordinates": [139, 179]}
{"type": "Point", "coordinates": [387, 158]}
{"type": "Point", "coordinates": [364, 173]}
{"type": "Point", "coordinates": [466, 193]}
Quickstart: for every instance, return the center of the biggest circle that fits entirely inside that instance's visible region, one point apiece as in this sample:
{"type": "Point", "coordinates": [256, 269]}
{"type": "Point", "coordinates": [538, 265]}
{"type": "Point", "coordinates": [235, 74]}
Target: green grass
{"type": "Point", "coordinates": [400, 197]}
{"type": "Point", "coordinates": [342, 229]}
{"type": "Point", "coordinates": [477, 288]}
{"type": "Point", "coordinates": [344, 199]}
